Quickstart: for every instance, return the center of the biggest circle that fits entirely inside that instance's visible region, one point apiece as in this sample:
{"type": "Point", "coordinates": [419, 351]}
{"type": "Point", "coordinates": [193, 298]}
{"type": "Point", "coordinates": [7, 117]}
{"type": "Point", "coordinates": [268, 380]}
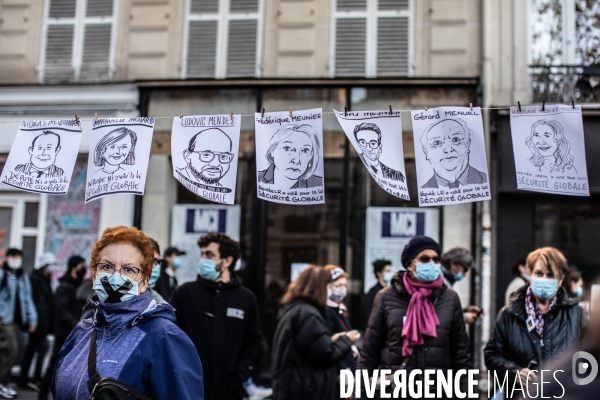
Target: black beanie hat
{"type": "Point", "coordinates": [73, 262]}
{"type": "Point", "coordinates": [416, 245]}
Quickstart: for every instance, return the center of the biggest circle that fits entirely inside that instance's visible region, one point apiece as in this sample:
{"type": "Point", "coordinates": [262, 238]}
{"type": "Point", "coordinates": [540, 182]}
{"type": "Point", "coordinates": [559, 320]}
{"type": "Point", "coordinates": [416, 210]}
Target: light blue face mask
{"type": "Point", "coordinates": [544, 288]}
{"type": "Point", "coordinates": [579, 291]}
{"type": "Point", "coordinates": [527, 277]}
{"type": "Point", "coordinates": [208, 269]}
{"type": "Point", "coordinates": [177, 262]}
{"type": "Point", "coordinates": [116, 281]}
{"type": "Point", "coordinates": [154, 275]}
{"type": "Point", "coordinates": [428, 272]}
{"type": "Point", "coordinates": [459, 276]}
{"type": "Point", "coordinates": [387, 277]}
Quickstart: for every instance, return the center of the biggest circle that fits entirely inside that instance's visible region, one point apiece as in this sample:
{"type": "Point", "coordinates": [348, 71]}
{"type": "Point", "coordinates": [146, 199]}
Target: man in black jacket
{"type": "Point", "coordinates": [382, 269]}
{"type": "Point", "coordinates": [221, 317]}
{"type": "Point", "coordinates": [167, 281]}
{"type": "Point", "coordinates": [68, 313]}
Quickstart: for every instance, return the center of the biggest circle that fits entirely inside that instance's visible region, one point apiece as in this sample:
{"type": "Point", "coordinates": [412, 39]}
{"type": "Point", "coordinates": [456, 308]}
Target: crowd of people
{"type": "Point", "coordinates": [132, 322]}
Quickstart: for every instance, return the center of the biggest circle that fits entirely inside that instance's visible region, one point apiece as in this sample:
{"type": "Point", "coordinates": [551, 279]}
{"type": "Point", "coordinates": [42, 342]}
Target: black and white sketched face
{"type": "Point", "coordinates": [44, 150]}
{"type": "Point", "coordinates": [368, 141]}
{"type": "Point", "coordinates": [293, 154]}
{"type": "Point", "coordinates": [544, 140]}
{"type": "Point", "coordinates": [211, 157]}
{"type": "Point", "coordinates": [447, 149]}
{"type": "Point", "coordinates": [115, 153]}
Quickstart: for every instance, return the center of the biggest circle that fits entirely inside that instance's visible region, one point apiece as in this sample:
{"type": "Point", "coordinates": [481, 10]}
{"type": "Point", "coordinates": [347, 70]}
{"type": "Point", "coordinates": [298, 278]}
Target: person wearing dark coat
{"type": "Point", "coordinates": [67, 312]}
{"type": "Point", "coordinates": [305, 354]}
{"type": "Point", "coordinates": [417, 322]}
{"type": "Point", "coordinates": [538, 324]}
{"type": "Point", "coordinates": [41, 292]}
{"type": "Point", "coordinates": [167, 281]}
{"type": "Point", "coordinates": [382, 269]}
{"type": "Point", "coordinates": [221, 318]}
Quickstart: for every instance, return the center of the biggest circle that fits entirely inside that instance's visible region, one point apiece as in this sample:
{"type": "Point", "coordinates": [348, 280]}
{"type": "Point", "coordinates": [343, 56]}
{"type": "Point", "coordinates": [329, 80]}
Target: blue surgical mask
{"type": "Point", "coordinates": [116, 281]}
{"type": "Point", "coordinates": [579, 291]}
{"type": "Point", "coordinates": [177, 262]}
{"type": "Point", "coordinates": [459, 276]}
{"type": "Point", "coordinates": [427, 272]}
{"type": "Point", "coordinates": [208, 269]}
{"type": "Point", "coordinates": [544, 288]}
{"type": "Point", "coordinates": [387, 277]}
{"type": "Point", "coordinates": [527, 277]}
{"type": "Point", "coordinates": [154, 275]}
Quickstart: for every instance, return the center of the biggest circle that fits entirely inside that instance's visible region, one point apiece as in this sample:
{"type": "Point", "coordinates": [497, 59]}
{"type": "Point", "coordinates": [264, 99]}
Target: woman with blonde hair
{"type": "Point", "coordinates": [540, 321]}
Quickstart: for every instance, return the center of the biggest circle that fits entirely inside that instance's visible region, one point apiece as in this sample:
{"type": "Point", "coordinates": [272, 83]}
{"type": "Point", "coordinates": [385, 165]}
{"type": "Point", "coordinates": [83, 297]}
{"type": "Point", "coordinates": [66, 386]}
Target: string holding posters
{"type": "Point", "coordinates": [450, 156]}
{"type": "Point", "coordinates": [119, 155]}
{"type": "Point", "coordinates": [289, 157]}
{"type": "Point", "coordinates": [43, 155]}
{"type": "Point", "coordinates": [377, 138]}
{"type": "Point", "coordinates": [204, 150]}
{"type": "Point", "coordinates": [549, 149]}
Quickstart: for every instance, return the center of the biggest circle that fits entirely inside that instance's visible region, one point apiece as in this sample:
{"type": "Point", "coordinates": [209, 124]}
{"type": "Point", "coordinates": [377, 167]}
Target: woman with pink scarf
{"type": "Point", "coordinates": [417, 321]}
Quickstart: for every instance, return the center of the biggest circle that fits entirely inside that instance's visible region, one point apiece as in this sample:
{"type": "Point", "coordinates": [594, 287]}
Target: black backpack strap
{"type": "Point", "coordinates": [93, 377]}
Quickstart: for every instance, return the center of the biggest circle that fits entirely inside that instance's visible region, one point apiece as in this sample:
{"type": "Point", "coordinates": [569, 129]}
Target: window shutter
{"type": "Point", "coordinates": [393, 5]}
{"type": "Point", "coordinates": [202, 49]}
{"type": "Point", "coordinates": [62, 8]}
{"type": "Point", "coordinates": [350, 46]}
{"type": "Point", "coordinates": [58, 66]}
{"type": "Point", "coordinates": [204, 6]}
{"type": "Point", "coordinates": [243, 6]}
{"type": "Point", "coordinates": [99, 8]}
{"type": "Point", "coordinates": [352, 5]}
{"type": "Point", "coordinates": [95, 65]}
{"type": "Point", "coordinates": [241, 51]}
{"type": "Point", "coordinates": [392, 46]}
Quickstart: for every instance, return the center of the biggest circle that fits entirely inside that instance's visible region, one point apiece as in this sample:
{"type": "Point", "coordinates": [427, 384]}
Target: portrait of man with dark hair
{"type": "Point", "coordinates": [43, 151]}
{"type": "Point", "coordinates": [368, 137]}
{"type": "Point", "coordinates": [208, 157]}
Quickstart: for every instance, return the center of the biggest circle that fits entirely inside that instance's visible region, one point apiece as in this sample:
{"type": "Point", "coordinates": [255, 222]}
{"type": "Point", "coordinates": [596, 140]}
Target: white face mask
{"type": "Point", "coordinates": [15, 264]}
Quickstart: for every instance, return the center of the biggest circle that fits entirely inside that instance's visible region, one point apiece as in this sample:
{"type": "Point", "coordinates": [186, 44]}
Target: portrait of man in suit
{"type": "Point", "coordinates": [43, 151]}
{"type": "Point", "coordinates": [446, 146]}
{"type": "Point", "coordinates": [368, 137]}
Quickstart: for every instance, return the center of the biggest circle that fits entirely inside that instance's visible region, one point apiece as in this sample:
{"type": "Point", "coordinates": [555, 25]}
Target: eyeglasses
{"type": "Point", "coordinates": [125, 271]}
{"type": "Point", "coordinates": [208, 156]}
{"type": "Point", "coordinates": [425, 259]}
{"type": "Point", "coordinates": [371, 143]}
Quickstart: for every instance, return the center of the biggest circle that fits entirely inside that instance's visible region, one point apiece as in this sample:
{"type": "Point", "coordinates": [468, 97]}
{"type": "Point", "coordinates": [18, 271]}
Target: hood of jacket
{"type": "Point", "coordinates": [398, 284]}
{"type": "Point", "coordinates": [516, 305]}
{"type": "Point", "coordinates": [110, 319]}
{"type": "Point", "coordinates": [213, 285]}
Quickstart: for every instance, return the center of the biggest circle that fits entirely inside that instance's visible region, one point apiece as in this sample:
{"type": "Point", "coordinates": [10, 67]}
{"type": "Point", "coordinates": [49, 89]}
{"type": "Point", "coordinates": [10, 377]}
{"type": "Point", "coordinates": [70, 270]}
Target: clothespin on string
{"type": "Point", "coordinates": [519, 103]}
{"type": "Point", "coordinates": [573, 103]}
{"type": "Point", "coordinates": [96, 116]}
{"type": "Point", "coordinates": [290, 112]}
{"type": "Point", "coordinates": [390, 109]}
{"type": "Point", "coordinates": [471, 105]}
{"type": "Point", "coordinates": [345, 111]}
{"type": "Point", "coordinates": [543, 105]}
{"type": "Point", "coordinates": [231, 114]}
{"type": "Point", "coordinates": [425, 108]}
{"type": "Point", "coordinates": [180, 115]}
{"type": "Point", "coordinates": [263, 113]}
{"type": "Point", "coordinates": [77, 119]}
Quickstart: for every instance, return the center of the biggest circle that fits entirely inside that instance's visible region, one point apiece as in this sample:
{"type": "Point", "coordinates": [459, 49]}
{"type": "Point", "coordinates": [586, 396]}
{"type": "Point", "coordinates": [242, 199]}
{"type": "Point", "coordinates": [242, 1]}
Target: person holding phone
{"type": "Point", "coordinates": [540, 321]}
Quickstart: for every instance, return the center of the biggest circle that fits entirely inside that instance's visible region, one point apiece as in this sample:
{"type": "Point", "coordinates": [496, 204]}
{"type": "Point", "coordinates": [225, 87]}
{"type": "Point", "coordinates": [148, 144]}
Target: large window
{"type": "Point", "coordinates": [222, 38]}
{"type": "Point", "coordinates": [78, 41]}
{"type": "Point", "coordinates": [371, 38]}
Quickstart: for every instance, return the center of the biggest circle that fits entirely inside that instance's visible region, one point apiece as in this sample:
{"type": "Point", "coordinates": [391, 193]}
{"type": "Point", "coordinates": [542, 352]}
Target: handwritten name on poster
{"type": "Point", "coordinates": [119, 155]}
{"type": "Point", "coordinates": [450, 156]}
{"type": "Point", "coordinates": [549, 149]}
{"type": "Point", "coordinates": [42, 157]}
{"type": "Point", "coordinates": [205, 151]}
{"type": "Point", "coordinates": [289, 157]}
{"type": "Point", "coordinates": [377, 138]}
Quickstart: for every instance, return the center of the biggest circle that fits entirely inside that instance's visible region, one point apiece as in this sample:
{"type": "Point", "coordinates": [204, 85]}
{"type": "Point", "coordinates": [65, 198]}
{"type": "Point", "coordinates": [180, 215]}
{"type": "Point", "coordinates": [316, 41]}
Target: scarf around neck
{"type": "Point", "coordinates": [421, 318]}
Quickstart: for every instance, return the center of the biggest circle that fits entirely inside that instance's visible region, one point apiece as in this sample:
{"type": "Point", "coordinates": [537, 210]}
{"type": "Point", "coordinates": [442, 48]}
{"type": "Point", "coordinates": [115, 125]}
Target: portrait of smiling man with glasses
{"type": "Point", "coordinates": [368, 136]}
{"type": "Point", "coordinates": [208, 157]}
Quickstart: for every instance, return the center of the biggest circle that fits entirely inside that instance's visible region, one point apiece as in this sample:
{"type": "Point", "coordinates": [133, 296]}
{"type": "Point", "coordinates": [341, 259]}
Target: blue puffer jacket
{"type": "Point", "coordinates": [138, 344]}
{"type": "Point", "coordinates": [8, 294]}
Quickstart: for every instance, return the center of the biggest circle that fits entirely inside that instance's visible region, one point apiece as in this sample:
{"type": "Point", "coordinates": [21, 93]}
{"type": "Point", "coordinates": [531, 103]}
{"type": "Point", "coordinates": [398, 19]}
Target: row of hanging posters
{"type": "Point", "coordinates": [449, 147]}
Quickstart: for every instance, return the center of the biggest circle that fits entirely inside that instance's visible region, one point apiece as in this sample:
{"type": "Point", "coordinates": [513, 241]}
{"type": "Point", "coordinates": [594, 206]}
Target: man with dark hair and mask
{"type": "Point", "coordinates": [16, 310]}
{"type": "Point", "coordinates": [221, 317]}
{"type": "Point", "coordinates": [67, 311]}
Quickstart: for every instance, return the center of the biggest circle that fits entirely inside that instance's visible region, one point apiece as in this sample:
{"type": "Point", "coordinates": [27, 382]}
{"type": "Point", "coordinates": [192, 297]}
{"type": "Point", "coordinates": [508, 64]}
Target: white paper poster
{"type": "Point", "coordinates": [119, 155]}
{"type": "Point", "coordinates": [549, 149]}
{"type": "Point", "coordinates": [190, 221]}
{"type": "Point", "coordinates": [204, 149]}
{"type": "Point", "coordinates": [289, 157]}
{"type": "Point", "coordinates": [388, 231]}
{"type": "Point", "coordinates": [450, 156]}
{"type": "Point", "coordinates": [43, 155]}
{"type": "Point", "coordinates": [377, 138]}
